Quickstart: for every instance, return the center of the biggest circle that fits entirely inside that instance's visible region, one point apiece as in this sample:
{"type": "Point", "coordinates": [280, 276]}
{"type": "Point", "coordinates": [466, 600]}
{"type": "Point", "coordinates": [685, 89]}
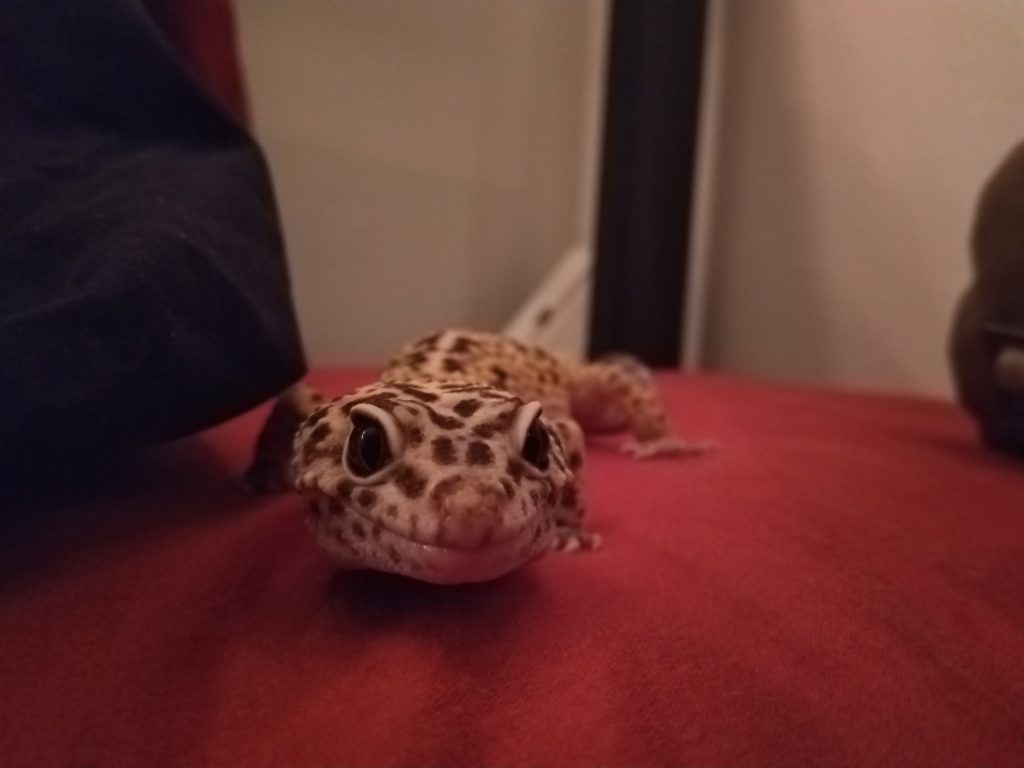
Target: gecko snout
{"type": "Point", "coordinates": [471, 516]}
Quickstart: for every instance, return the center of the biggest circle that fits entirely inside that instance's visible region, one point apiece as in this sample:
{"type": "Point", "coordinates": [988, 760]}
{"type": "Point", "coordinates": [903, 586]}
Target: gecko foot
{"type": "Point", "coordinates": [668, 446]}
{"type": "Point", "coordinates": [576, 540]}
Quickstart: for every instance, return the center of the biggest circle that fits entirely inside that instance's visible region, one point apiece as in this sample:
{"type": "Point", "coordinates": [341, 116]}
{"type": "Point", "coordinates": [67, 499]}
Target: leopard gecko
{"type": "Point", "coordinates": [462, 462]}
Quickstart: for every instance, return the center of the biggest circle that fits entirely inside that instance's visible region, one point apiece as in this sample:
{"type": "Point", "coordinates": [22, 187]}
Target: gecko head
{"type": "Point", "coordinates": [442, 482]}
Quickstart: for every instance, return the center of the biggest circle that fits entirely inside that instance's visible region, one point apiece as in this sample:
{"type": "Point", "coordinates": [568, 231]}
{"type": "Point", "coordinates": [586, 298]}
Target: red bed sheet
{"type": "Point", "coordinates": [842, 585]}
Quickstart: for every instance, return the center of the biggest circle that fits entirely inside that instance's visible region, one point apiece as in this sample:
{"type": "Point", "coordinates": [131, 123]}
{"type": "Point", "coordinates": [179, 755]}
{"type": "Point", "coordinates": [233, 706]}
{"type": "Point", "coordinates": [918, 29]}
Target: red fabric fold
{"type": "Point", "coordinates": [841, 585]}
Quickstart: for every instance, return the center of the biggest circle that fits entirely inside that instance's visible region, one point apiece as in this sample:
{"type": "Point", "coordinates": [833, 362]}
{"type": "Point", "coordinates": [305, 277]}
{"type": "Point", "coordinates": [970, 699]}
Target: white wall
{"type": "Point", "coordinates": [852, 139]}
{"type": "Point", "coordinates": [427, 156]}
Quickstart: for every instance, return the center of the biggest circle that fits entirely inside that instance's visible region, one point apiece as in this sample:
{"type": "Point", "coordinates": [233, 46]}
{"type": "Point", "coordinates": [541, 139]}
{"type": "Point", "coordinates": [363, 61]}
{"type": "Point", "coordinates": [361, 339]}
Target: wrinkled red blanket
{"type": "Point", "coordinates": [842, 585]}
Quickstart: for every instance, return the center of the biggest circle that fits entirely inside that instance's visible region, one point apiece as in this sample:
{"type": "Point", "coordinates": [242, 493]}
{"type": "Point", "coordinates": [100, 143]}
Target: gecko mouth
{"type": "Point", "coordinates": [448, 565]}
{"type": "Point", "coordinates": [395, 552]}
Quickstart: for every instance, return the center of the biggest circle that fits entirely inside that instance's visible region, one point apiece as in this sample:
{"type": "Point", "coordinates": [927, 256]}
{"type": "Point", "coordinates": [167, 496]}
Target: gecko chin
{"type": "Point", "coordinates": [384, 549]}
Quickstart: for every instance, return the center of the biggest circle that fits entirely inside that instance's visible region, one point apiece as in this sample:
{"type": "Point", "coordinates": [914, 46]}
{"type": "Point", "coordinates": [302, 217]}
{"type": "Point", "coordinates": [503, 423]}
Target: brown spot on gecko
{"type": "Point", "coordinates": [386, 401]}
{"type": "Point", "coordinates": [315, 416]}
{"type": "Point", "coordinates": [413, 409]}
{"type": "Point", "coordinates": [413, 391]}
{"type": "Point", "coordinates": [428, 342]}
{"type": "Point", "coordinates": [414, 435]}
{"type": "Point", "coordinates": [366, 497]}
{"type": "Point", "coordinates": [450, 386]}
{"type": "Point", "coordinates": [376, 531]}
{"type": "Point", "coordinates": [319, 432]}
{"type": "Point", "coordinates": [500, 374]}
{"type": "Point", "coordinates": [466, 408]}
{"type": "Point", "coordinates": [358, 530]}
{"type": "Point", "coordinates": [443, 450]}
{"type": "Point", "coordinates": [499, 423]}
{"type": "Point", "coordinates": [391, 511]}
{"type": "Point", "coordinates": [453, 366]}
{"type": "Point", "coordinates": [343, 490]}
{"type": "Point", "coordinates": [442, 421]}
{"type": "Point", "coordinates": [462, 345]}
{"type": "Point", "coordinates": [479, 453]}
{"type": "Point", "coordinates": [410, 482]}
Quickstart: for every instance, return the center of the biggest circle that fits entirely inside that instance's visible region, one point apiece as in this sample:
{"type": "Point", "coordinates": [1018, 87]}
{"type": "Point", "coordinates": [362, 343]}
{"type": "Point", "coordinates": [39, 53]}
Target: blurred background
{"type": "Point", "coordinates": [440, 163]}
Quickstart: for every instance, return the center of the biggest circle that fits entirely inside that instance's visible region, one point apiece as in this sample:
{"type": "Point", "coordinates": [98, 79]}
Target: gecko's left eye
{"type": "Point", "coordinates": [536, 445]}
{"type": "Point", "coordinates": [368, 451]}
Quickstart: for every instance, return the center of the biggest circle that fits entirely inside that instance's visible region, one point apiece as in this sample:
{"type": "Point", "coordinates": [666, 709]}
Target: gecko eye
{"type": "Point", "coordinates": [536, 444]}
{"type": "Point", "coordinates": [368, 450]}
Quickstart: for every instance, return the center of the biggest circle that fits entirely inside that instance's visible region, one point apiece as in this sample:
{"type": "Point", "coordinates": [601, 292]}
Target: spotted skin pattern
{"type": "Point", "coordinates": [460, 496]}
{"type": "Point", "coordinates": [612, 394]}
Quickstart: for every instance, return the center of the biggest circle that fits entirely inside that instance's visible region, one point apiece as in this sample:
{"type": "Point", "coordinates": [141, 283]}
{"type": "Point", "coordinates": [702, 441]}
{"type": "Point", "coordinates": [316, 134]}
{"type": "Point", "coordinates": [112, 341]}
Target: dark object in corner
{"type": "Point", "coordinates": [143, 289]}
{"type": "Point", "coordinates": [647, 177]}
{"type": "Point", "coordinates": [987, 343]}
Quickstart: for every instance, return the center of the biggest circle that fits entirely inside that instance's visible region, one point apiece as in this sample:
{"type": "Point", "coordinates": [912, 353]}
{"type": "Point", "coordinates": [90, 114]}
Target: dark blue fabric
{"type": "Point", "coordinates": [143, 288]}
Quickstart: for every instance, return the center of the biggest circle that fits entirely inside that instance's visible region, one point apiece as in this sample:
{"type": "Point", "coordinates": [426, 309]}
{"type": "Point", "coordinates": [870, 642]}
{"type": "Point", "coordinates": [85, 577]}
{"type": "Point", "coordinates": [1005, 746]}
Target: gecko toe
{"type": "Point", "coordinates": [576, 540]}
{"type": "Point", "coordinates": [668, 446]}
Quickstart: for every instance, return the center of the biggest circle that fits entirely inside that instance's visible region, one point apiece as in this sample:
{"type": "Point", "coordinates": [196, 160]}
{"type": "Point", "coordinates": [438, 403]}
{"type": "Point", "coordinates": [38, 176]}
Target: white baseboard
{"type": "Point", "coordinates": [556, 314]}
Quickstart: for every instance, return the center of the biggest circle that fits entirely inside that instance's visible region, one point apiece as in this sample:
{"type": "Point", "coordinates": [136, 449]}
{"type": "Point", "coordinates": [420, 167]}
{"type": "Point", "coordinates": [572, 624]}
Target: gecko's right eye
{"type": "Point", "coordinates": [368, 451]}
{"type": "Point", "coordinates": [536, 444]}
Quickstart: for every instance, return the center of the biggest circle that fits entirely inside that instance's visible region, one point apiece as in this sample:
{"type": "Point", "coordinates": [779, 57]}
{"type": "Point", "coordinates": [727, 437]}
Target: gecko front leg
{"type": "Point", "coordinates": [667, 446]}
{"type": "Point", "coordinates": [570, 534]}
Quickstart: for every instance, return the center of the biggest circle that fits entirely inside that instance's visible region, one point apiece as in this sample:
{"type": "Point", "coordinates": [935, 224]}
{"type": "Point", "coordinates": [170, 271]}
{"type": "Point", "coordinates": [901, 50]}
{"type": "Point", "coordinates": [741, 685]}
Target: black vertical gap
{"type": "Point", "coordinates": [647, 173]}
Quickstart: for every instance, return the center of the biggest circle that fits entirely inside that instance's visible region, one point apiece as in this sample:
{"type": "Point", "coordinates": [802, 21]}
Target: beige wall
{"type": "Point", "coordinates": [426, 156]}
{"type": "Point", "coordinates": [852, 138]}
